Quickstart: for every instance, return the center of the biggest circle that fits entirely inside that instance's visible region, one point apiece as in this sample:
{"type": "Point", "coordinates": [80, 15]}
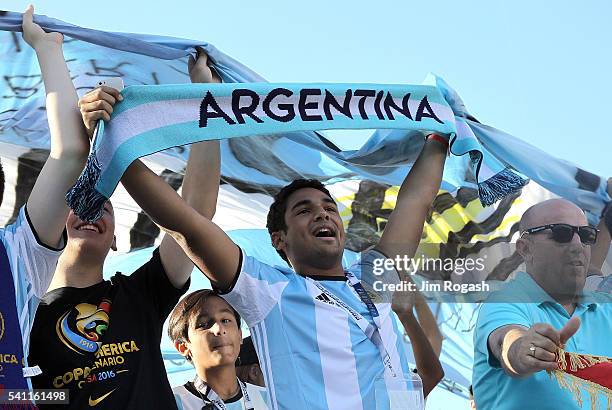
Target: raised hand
{"type": "Point", "coordinates": [98, 104]}
{"type": "Point", "coordinates": [35, 36]}
{"type": "Point", "coordinates": [200, 71]}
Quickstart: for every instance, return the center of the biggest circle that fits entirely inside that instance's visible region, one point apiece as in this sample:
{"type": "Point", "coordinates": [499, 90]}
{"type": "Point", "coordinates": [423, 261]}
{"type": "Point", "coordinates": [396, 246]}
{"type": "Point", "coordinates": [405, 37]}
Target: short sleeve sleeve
{"type": "Point", "coordinates": [257, 289]}
{"type": "Point", "coordinates": [31, 261]}
{"type": "Point", "coordinates": [492, 316]}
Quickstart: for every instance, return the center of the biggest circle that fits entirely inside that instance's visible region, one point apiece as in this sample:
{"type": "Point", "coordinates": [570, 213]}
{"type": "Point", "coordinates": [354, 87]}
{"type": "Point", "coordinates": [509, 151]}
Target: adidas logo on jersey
{"type": "Point", "coordinates": [325, 299]}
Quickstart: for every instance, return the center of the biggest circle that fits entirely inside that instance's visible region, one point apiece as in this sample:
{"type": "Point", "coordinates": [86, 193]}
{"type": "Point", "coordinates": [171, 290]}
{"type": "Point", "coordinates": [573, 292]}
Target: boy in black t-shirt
{"type": "Point", "coordinates": [100, 339]}
{"type": "Point", "coordinates": [102, 342]}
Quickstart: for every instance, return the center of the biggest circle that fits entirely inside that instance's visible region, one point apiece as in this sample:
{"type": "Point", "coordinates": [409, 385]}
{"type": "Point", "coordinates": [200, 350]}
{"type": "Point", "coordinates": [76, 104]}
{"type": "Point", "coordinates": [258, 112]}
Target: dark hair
{"type": "Point", "coordinates": [276, 214]}
{"type": "Point", "coordinates": [247, 355]}
{"type": "Point", "coordinates": [608, 217]}
{"type": "Point", "coordinates": [1, 183]}
{"type": "Point", "coordinates": [185, 310]}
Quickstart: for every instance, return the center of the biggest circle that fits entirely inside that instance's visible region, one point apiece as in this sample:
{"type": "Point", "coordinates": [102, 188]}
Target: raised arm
{"type": "Point", "coordinates": [599, 251]}
{"type": "Point", "coordinates": [200, 185]}
{"type": "Point", "coordinates": [200, 190]}
{"type": "Point", "coordinates": [428, 365]}
{"type": "Point", "coordinates": [403, 231]}
{"type": "Point", "coordinates": [428, 323]}
{"type": "Point", "coordinates": [46, 205]}
{"type": "Point", "coordinates": [210, 249]}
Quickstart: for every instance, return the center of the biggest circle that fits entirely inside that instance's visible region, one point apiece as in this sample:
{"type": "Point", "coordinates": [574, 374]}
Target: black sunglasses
{"type": "Point", "coordinates": [563, 233]}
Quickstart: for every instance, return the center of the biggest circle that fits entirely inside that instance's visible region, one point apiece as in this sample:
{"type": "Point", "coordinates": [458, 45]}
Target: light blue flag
{"type": "Point", "coordinates": [265, 163]}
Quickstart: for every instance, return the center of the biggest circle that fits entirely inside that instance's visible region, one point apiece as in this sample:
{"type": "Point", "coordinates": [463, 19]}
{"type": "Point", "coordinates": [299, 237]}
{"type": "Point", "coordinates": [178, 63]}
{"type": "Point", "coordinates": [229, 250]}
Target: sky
{"type": "Point", "coordinates": [536, 69]}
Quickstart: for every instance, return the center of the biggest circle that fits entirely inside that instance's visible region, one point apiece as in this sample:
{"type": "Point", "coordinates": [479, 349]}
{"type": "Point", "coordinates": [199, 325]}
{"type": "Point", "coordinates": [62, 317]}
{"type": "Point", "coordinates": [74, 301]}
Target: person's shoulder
{"type": "Point", "coordinates": [259, 396]}
{"type": "Point", "coordinates": [152, 265]}
{"type": "Point", "coordinates": [181, 389]}
{"type": "Point", "coordinates": [600, 302]}
{"type": "Point", "coordinates": [23, 229]}
{"type": "Point", "coordinates": [186, 398]}
{"type": "Point", "coordinates": [254, 387]}
{"type": "Point", "coordinates": [253, 262]}
{"type": "Point", "coordinates": [10, 230]}
{"type": "Point", "coordinates": [498, 310]}
{"type": "Point", "coordinates": [68, 293]}
{"type": "Point", "coordinates": [120, 278]}
{"type": "Point", "coordinates": [521, 289]}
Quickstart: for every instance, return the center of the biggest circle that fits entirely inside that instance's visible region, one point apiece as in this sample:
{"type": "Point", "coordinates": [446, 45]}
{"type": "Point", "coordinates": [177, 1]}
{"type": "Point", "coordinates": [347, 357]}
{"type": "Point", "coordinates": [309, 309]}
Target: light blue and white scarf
{"type": "Point", "coordinates": [154, 118]}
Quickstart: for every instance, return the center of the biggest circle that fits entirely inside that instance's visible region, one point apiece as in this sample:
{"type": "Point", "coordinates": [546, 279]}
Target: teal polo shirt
{"type": "Point", "coordinates": [493, 388]}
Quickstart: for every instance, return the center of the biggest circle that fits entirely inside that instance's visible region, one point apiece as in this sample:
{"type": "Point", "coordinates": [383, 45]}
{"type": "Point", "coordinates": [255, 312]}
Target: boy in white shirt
{"type": "Point", "coordinates": [205, 329]}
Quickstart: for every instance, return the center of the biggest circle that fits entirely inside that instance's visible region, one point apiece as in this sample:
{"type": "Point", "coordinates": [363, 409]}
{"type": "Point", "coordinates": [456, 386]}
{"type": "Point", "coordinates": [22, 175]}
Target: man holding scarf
{"type": "Point", "coordinates": [323, 340]}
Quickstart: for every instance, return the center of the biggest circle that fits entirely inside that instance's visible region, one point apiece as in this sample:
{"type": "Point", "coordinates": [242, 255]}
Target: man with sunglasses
{"type": "Point", "coordinates": [520, 328]}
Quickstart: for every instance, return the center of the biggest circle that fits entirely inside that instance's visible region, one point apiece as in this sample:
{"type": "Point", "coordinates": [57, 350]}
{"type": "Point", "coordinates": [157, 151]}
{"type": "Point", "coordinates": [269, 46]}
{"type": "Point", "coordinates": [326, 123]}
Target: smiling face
{"type": "Point", "coordinates": [96, 238]}
{"type": "Point", "coordinates": [314, 235]}
{"type": "Point", "coordinates": [214, 334]}
{"type": "Point", "coordinates": [559, 268]}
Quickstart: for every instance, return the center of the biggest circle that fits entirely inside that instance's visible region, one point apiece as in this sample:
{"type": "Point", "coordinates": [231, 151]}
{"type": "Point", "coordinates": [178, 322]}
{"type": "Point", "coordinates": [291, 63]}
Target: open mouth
{"type": "Point", "coordinates": [325, 232]}
{"type": "Point", "coordinates": [88, 227]}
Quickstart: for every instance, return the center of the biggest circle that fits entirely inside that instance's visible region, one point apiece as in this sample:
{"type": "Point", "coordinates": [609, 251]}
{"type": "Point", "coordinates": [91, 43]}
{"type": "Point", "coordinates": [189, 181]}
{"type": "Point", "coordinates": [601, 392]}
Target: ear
{"type": "Point", "coordinates": [182, 348]}
{"type": "Point", "coordinates": [114, 244]}
{"type": "Point", "coordinates": [278, 240]}
{"type": "Point", "coordinates": [523, 247]}
{"type": "Point", "coordinates": [240, 333]}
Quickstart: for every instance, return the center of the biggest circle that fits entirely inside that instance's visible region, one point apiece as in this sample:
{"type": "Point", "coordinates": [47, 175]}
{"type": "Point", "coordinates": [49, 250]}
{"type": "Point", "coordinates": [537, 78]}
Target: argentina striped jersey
{"type": "Point", "coordinates": [312, 353]}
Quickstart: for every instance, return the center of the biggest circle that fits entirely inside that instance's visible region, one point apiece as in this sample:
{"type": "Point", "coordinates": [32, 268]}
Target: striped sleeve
{"type": "Point", "coordinates": [258, 288]}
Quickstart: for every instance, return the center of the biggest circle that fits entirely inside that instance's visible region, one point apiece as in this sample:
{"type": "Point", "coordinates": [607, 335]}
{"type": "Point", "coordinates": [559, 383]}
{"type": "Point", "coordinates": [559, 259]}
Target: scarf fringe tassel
{"type": "Point", "coordinates": [499, 186]}
{"type": "Point", "coordinates": [575, 385]}
{"type": "Point", "coordinates": [83, 199]}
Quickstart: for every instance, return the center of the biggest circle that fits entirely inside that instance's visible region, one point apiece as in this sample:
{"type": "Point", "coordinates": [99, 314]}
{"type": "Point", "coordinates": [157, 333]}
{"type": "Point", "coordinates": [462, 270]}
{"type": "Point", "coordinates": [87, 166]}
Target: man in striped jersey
{"type": "Point", "coordinates": [323, 340]}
